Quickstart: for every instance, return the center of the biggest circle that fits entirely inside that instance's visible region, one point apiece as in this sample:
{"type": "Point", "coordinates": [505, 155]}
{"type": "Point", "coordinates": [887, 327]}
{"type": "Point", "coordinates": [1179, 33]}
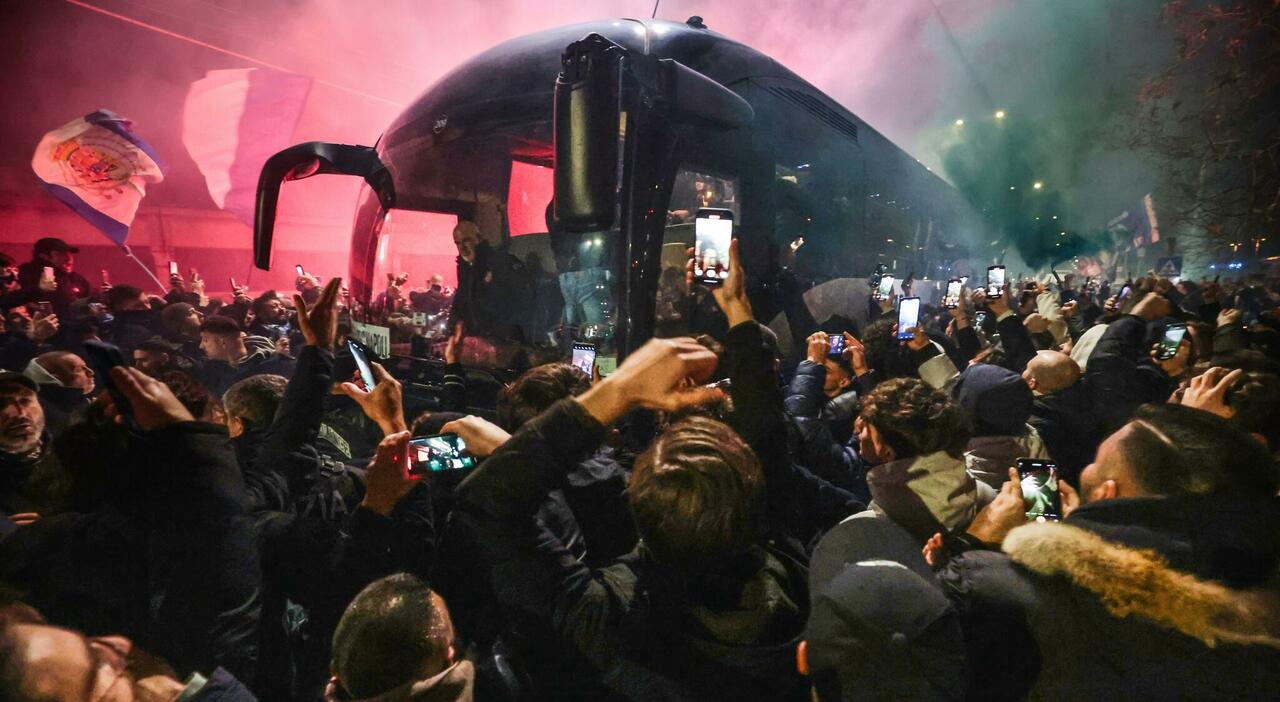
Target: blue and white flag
{"type": "Point", "coordinates": [98, 167]}
{"type": "Point", "coordinates": [233, 121]}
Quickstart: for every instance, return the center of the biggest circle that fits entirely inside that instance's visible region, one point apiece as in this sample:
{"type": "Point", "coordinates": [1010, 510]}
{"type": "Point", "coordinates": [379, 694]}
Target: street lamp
{"type": "Point", "coordinates": [959, 123]}
{"type": "Point", "coordinates": [1037, 185]}
{"type": "Point", "coordinates": [999, 114]}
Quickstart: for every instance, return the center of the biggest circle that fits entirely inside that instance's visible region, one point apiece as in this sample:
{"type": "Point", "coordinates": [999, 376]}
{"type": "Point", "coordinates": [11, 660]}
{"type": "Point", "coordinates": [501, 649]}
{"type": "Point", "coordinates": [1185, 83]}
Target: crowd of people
{"type": "Point", "coordinates": [207, 500]}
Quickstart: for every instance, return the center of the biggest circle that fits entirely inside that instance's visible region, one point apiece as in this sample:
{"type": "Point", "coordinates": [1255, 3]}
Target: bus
{"type": "Point", "coordinates": [567, 167]}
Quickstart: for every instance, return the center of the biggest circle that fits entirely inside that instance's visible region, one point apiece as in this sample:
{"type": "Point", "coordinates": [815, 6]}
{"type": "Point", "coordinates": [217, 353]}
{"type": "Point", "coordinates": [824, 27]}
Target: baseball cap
{"type": "Point", "coordinates": [9, 376]}
{"type": "Point", "coordinates": [51, 243]}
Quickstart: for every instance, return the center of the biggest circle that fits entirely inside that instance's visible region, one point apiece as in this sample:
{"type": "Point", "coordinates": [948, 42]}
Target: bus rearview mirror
{"type": "Point", "coordinates": [586, 133]}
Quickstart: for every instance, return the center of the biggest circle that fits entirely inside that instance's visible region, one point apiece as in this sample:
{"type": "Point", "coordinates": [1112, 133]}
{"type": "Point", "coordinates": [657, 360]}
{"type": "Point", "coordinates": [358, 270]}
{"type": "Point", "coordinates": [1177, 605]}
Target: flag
{"type": "Point", "coordinates": [98, 167]}
{"type": "Point", "coordinates": [1139, 223]}
{"type": "Point", "coordinates": [233, 121]}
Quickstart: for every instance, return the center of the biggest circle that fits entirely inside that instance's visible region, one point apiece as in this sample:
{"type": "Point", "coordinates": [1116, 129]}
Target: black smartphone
{"type": "Point", "coordinates": [1040, 489]}
{"type": "Point", "coordinates": [584, 357]}
{"type": "Point", "coordinates": [173, 268]}
{"type": "Point", "coordinates": [362, 363]}
{"type": "Point", "coordinates": [995, 281]}
{"type": "Point", "coordinates": [439, 453]}
{"type": "Point", "coordinates": [712, 233]}
{"type": "Point", "coordinates": [102, 358]}
{"type": "Point", "coordinates": [884, 288]}
{"type": "Point", "coordinates": [908, 316]}
{"type": "Point", "coordinates": [837, 344]}
{"type": "Point", "coordinates": [1171, 341]}
{"type": "Point", "coordinates": [298, 268]}
{"type": "Point", "coordinates": [980, 318]}
{"type": "Point", "coordinates": [951, 300]}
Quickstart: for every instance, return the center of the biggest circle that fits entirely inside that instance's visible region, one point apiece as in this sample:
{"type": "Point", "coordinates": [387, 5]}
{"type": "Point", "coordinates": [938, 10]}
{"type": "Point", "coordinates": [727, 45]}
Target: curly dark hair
{"type": "Point", "coordinates": [537, 389]}
{"type": "Point", "coordinates": [915, 419]}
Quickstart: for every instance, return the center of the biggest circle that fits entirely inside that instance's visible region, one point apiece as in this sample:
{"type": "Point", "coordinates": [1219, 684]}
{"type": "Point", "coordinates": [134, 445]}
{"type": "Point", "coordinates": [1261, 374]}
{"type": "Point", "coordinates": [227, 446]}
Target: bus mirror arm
{"type": "Point", "coordinates": [303, 161]}
{"type": "Point", "coordinates": [693, 96]}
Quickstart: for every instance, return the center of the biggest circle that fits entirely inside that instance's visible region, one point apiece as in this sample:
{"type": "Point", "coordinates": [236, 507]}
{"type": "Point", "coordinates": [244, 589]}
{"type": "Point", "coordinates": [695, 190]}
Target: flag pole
{"type": "Point", "coordinates": [129, 252]}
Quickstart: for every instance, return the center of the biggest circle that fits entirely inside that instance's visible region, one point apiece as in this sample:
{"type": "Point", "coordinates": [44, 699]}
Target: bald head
{"type": "Point", "coordinates": [1051, 371]}
{"type": "Point", "coordinates": [69, 369]}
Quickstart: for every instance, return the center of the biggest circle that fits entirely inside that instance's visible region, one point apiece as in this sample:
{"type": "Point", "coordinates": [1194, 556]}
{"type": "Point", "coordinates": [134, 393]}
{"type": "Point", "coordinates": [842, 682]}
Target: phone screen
{"type": "Point", "coordinates": [952, 299]}
{"type": "Point", "coordinates": [298, 268]}
{"type": "Point", "coordinates": [105, 280]}
{"type": "Point", "coordinates": [995, 281]}
{"type": "Point", "coordinates": [908, 316]}
{"type": "Point", "coordinates": [885, 289]}
{"type": "Point", "coordinates": [47, 272]}
{"type": "Point", "coordinates": [837, 344]}
{"type": "Point", "coordinates": [1040, 489]}
{"type": "Point", "coordinates": [980, 318]}
{"type": "Point", "coordinates": [712, 231]}
{"type": "Point", "coordinates": [173, 268]}
{"type": "Point", "coordinates": [362, 363]}
{"type": "Point", "coordinates": [439, 453]}
{"type": "Point", "coordinates": [1172, 340]}
{"type": "Point", "coordinates": [584, 357]}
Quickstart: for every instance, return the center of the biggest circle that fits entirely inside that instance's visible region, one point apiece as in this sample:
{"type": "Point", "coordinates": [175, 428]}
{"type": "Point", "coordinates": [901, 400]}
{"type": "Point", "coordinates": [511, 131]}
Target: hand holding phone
{"type": "Point", "coordinates": [884, 288]}
{"type": "Point", "coordinates": [836, 342]}
{"type": "Point", "coordinates": [995, 281]}
{"type": "Point", "coordinates": [584, 357]}
{"type": "Point", "coordinates": [439, 453]}
{"type": "Point", "coordinates": [1040, 489]}
{"type": "Point", "coordinates": [173, 270]}
{"type": "Point", "coordinates": [1169, 343]}
{"type": "Point", "coordinates": [299, 270]}
{"type": "Point", "coordinates": [362, 363]}
{"type": "Point", "coordinates": [712, 231]}
{"type": "Point", "coordinates": [951, 300]}
{"type": "Point", "coordinates": [908, 317]}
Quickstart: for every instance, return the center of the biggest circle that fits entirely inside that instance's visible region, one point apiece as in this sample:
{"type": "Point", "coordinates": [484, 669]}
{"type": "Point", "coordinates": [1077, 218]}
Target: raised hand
{"type": "Point", "coordinates": [387, 480]}
{"type": "Point", "coordinates": [1208, 391]}
{"type": "Point", "coordinates": [481, 436]}
{"type": "Point", "coordinates": [856, 354]}
{"type": "Point", "coordinates": [664, 374]}
{"type": "Point", "coordinates": [731, 294]}
{"type": "Point", "coordinates": [1005, 513]}
{"type": "Point", "coordinates": [384, 403]}
{"type": "Point", "coordinates": [319, 324]}
{"type": "Point", "coordinates": [151, 402]}
{"type": "Point", "coordinates": [818, 347]}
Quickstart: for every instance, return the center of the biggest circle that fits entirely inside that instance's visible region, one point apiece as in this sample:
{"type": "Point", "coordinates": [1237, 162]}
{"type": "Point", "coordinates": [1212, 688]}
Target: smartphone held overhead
{"type": "Point", "coordinates": [362, 363]}
{"type": "Point", "coordinates": [908, 317]}
{"type": "Point", "coordinates": [712, 231]}
{"type": "Point", "coordinates": [951, 299]}
{"type": "Point", "coordinates": [995, 281]}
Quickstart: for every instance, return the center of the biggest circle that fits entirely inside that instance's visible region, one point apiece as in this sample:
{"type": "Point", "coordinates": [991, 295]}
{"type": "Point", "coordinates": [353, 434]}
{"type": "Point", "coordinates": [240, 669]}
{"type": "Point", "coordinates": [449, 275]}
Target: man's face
{"type": "Point", "coordinates": [466, 241]}
{"type": "Point", "coordinates": [10, 275]}
{"type": "Point", "coordinates": [837, 379]}
{"type": "Point", "coordinates": [871, 444]}
{"type": "Point", "coordinates": [191, 323]}
{"type": "Point", "coordinates": [217, 347]}
{"type": "Point", "coordinates": [21, 419]}
{"type": "Point", "coordinates": [134, 304]}
{"type": "Point", "coordinates": [152, 363]}
{"type": "Point", "coordinates": [1108, 475]}
{"type": "Point", "coordinates": [62, 260]}
{"type": "Point", "coordinates": [275, 312]}
{"type": "Point", "coordinates": [73, 372]}
{"type": "Point", "coordinates": [61, 664]}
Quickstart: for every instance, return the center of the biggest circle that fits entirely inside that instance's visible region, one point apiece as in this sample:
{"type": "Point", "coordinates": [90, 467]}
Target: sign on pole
{"type": "Point", "coordinates": [1169, 266]}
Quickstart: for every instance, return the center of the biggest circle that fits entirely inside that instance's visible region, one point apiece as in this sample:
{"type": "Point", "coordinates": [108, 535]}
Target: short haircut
{"type": "Point", "coordinates": [537, 389]}
{"type": "Point", "coordinates": [696, 494]}
{"type": "Point", "coordinates": [255, 399]}
{"type": "Point", "coordinates": [220, 326]}
{"type": "Point", "coordinates": [387, 636]}
{"type": "Point", "coordinates": [190, 392]}
{"type": "Point", "coordinates": [1179, 451]}
{"type": "Point", "coordinates": [1255, 399]}
{"type": "Point", "coordinates": [7, 261]}
{"type": "Point", "coordinates": [120, 294]}
{"type": "Point", "coordinates": [915, 419]}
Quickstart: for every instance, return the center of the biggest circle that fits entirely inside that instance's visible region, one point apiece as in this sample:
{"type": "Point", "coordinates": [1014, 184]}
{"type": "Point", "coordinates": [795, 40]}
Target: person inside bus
{"type": "Point", "coordinates": [491, 299]}
{"type": "Point", "coordinates": [582, 267]}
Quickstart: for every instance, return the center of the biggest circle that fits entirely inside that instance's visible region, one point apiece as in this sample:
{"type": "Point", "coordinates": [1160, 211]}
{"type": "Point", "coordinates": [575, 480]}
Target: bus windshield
{"type": "Point", "coordinates": [467, 253]}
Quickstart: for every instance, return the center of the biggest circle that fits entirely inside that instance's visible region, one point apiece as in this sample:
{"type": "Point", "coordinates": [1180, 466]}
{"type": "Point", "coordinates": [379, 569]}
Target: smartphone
{"type": "Point", "coordinates": [908, 316]}
{"type": "Point", "coordinates": [995, 281]}
{"type": "Point", "coordinates": [1040, 489]}
{"type": "Point", "coordinates": [980, 318]}
{"type": "Point", "coordinates": [232, 280]}
{"type": "Point", "coordinates": [952, 299]}
{"type": "Point", "coordinates": [884, 289]}
{"type": "Point", "coordinates": [103, 357]}
{"type": "Point", "coordinates": [173, 269]}
{"type": "Point", "coordinates": [1125, 292]}
{"type": "Point", "coordinates": [298, 268]}
{"type": "Point", "coordinates": [837, 344]}
{"type": "Point", "coordinates": [439, 453]}
{"type": "Point", "coordinates": [105, 279]}
{"type": "Point", "coordinates": [362, 363]}
{"type": "Point", "coordinates": [47, 273]}
{"type": "Point", "coordinates": [1172, 340]}
{"type": "Point", "coordinates": [584, 357]}
{"type": "Point", "coordinates": [45, 308]}
{"type": "Point", "coordinates": [712, 232]}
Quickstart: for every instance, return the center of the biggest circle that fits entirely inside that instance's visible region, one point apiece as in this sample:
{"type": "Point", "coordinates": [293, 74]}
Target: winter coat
{"type": "Point", "coordinates": [1127, 599]}
{"type": "Point", "coordinates": [989, 458]}
{"type": "Point", "coordinates": [811, 415]}
{"type": "Point", "coordinates": [262, 359]}
{"type": "Point", "coordinates": [1122, 375]}
{"type": "Point", "coordinates": [924, 494]}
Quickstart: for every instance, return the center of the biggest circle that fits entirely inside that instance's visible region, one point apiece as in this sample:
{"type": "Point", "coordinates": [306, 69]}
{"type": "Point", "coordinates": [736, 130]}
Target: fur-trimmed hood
{"type": "Point", "coordinates": [1139, 582]}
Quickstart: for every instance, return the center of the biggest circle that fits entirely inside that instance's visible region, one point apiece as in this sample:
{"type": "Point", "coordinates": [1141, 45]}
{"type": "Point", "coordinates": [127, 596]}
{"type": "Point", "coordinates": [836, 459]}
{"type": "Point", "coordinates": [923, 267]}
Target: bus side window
{"type": "Point", "coordinates": [677, 312]}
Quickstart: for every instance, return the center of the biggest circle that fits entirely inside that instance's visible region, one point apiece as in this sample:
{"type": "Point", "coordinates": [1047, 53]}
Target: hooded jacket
{"type": "Point", "coordinates": [924, 494]}
{"type": "Point", "coordinates": [1137, 598]}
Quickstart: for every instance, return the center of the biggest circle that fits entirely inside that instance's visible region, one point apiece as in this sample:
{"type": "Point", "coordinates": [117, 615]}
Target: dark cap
{"type": "Point", "coordinates": [51, 243]}
{"type": "Point", "coordinates": [8, 376]}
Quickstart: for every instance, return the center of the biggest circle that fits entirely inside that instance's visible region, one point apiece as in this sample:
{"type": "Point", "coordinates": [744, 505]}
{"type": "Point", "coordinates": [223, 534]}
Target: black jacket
{"type": "Point", "coordinates": [1121, 374]}
{"type": "Point", "coordinates": [176, 568]}
{"type": "Point", "coordinates": [1128, 599]}
{"type": "Point", "coordinates": [1068, 426]}
{"type": "Point", "coordinates": [815, 443]}
{"type": "Point", "coordinates": [633, 630]}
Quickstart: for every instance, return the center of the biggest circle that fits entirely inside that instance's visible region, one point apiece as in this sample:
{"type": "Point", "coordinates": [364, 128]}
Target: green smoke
{"type": "Point", "coordinates": [1064, 76]}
